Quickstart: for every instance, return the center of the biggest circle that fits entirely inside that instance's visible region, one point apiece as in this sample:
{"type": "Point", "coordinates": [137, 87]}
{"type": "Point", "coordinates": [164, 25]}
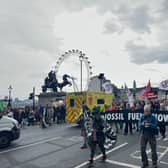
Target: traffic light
{"type": "Point", "coordinates": [31, 96]}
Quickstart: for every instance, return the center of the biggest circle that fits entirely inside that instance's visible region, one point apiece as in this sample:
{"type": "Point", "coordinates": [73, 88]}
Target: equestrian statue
{"type": "Point", "coordinates": [52, 83]}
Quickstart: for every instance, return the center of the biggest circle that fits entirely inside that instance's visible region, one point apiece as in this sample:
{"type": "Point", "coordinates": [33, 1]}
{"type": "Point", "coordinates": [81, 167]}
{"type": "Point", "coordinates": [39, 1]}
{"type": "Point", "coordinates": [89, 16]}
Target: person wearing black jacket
{"type": "Point", "coordinates": [128, 125]}
{"type": "Point", "coordinates": [98, 135]}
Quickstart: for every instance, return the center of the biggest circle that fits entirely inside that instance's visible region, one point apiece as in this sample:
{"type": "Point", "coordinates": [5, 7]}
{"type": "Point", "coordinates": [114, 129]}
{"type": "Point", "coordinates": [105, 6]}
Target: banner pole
{"type": "Point", "coordinates": [146, 100]}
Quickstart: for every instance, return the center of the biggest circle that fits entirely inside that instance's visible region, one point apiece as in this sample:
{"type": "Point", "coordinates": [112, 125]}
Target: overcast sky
{"type": "Point", "coordinates": [125, 39]}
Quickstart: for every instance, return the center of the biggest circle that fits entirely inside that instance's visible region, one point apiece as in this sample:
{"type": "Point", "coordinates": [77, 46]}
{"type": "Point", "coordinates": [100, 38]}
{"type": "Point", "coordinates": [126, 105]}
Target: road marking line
{"type": "Point", "coordinates": [163, 147]}
{"type": "Point", "coordinates": [76, 139]}
{"type": "Point", "coordinates": [137, 154]}
{"type": "Point", "coordinates": [99, 156]}
{"type": "Point", "coordinates": [122, 164]}
{"type": "Point", "coordinates": [164, 153]}
{"type": "Point", "coordinates": [30, 145]}
{"type": "Point", "coordinates": [159, 138]}
{"type": "Point", "coordinates": [166, 139]}
{"type": "Point", "coordinates": [165, 163]}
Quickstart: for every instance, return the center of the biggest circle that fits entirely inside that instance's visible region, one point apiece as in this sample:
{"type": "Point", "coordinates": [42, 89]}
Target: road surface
{"type": "Point", "coordinates": [59, 147]}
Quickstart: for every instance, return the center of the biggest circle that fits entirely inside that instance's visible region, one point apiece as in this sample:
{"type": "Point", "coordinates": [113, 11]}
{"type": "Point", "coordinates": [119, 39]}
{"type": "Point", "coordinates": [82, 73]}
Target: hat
{"type": "Point", "coordinates": [96, 110]}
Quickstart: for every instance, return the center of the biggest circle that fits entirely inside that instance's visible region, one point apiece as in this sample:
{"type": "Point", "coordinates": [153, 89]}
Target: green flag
{"type": "Point", "coordinates": [2, 105]}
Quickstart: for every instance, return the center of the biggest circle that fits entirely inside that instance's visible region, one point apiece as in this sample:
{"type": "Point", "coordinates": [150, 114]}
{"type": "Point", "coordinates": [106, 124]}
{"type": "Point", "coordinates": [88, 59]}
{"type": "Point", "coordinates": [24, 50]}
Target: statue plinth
{"type": "Point", "coordinates": [50, 97]}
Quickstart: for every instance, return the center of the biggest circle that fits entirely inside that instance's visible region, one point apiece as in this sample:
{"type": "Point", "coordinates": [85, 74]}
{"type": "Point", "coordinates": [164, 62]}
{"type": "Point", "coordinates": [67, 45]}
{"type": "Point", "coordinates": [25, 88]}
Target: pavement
{"type": "Point", "coordinates": [59, 147]}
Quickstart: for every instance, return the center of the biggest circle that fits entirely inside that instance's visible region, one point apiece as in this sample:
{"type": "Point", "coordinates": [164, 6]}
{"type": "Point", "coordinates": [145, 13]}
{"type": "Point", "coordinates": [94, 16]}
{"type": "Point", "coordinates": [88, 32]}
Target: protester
{"type": "Point", "coordinates": [16, 115]}
{"type": "Point", "coordinates": [40, 114]}
{"type": "Point", "coordinates": [84, 111]}
{"type": "Point", "coordinates": [62, 112]}
{"type": "Point", "coordinates": [127, 124]}
{"type": "Point", "coordinates": [162, 126]}
{"type": "Point", "coordinates": [148, 128]}
{"type": "Point", "coordinates": [10, 113]}
{"type": "Point", "coordinates": [1, 114]}
{"type": "Point", "coordinates": [57, 114]}
{"type": "Point", "coordinates": [23, 118]}
{"type": "Point", "coordinates": [49, 115]}
{"type": "Point", "coordinates": [113, 107]}
{"type": "Point", "coordinates": [98, 136]}
{"type": "Point", "coordinates": [31, 117]}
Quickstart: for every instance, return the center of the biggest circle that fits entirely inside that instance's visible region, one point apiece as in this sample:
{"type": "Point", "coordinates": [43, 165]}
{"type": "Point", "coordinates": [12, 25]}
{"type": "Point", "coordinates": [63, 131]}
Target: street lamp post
{"type": "Point", "coordinates": [10, 92]}
{"type": "Point", "coordinates": [81, 69]}
{"type": "Point", "coordinates": [33, 98]}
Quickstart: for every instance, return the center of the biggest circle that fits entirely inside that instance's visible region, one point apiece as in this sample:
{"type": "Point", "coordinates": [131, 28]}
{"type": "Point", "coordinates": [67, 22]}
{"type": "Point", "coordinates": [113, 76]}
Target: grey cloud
{"type": "Point", "coordinates": [78, 5]}
{"type": "Point", "coordinates": [152, 70]}
{"type": "Point", "coordinates": [163, 11]}
{"type": "Point", "coordinates": [111, 27]}
{"type": "Point", "coordinates": [28, 23]}
{"type": "Point", "coordinates": [141, 54]}
{"type": "Point", "coordinates": [130, 13]}
{"type": "Point", "coordinates": [136, 15]}
{"type": "Point", "coordinates": [138, 19]}
{"type": "Point", "coordinates": [28, 44]}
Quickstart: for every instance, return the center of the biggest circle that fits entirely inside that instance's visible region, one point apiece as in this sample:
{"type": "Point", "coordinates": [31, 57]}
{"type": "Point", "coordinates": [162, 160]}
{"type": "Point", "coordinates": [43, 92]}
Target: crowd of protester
{"type": "Point", "coordinates": [43, 115]}
{"type": "Point", "coordinates": [52, 114]}
{"type": "Point", "coordinates": [138, 105]}
{"type": "Point", "coordinates": [155, 105]}
{"type": "Point", "coordinates": [47, 115]}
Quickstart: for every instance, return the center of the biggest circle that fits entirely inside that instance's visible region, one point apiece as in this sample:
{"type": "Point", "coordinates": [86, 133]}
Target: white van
{"type": "Point", "coordinates": [9, 131]}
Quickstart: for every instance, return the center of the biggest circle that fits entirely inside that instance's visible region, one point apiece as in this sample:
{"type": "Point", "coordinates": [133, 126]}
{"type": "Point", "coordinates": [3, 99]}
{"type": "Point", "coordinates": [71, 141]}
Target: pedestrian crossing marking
{"type": "Point", "coordinates": [99, 156]}
{"type": "Point", "coordinates": [76, 138]}
{"type": "Point", "coordinates": [137, 154]}
{"type": "Point", "coordinates": [122, 164]}
{"type": "Point", "coordinates": [166, 139]}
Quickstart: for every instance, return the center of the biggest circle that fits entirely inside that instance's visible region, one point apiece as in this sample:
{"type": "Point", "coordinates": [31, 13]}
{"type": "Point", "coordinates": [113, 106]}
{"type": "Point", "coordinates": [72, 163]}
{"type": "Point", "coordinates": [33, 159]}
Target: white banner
{"type": "Point", "coordinates": [130, 96]}
{"type": "Point", "coordinates": [107, 87]}
{"type": "Point", "coordinates": [164, 85]}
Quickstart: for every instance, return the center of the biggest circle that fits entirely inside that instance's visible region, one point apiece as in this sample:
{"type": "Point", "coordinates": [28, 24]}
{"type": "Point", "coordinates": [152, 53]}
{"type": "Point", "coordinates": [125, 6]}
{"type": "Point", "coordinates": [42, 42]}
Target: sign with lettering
{"type": "Point", "coordinates": [133, 116]}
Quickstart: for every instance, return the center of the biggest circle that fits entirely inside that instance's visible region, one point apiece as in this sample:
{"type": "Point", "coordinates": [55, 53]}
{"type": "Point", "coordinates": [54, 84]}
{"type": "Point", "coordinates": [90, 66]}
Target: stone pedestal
{"type": "Point", "coordinates": [48, 98]}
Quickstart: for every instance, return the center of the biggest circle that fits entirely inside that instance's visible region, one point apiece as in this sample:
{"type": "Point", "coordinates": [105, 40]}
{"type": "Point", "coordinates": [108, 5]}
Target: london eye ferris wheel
{"type": "Point", "coordinates": [76, 64]}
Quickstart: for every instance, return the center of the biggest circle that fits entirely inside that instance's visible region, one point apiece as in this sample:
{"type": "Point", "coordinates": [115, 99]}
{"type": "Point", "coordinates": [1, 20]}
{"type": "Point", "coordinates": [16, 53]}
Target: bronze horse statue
{"type": "Point", "coordinates": [65, 82]}
{"type": "Point", "coordinates": [51, 82]}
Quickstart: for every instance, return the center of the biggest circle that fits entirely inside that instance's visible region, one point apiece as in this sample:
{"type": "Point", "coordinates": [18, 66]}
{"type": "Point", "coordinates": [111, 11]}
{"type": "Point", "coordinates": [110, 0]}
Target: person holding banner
{"type": "Point", "coordinates": [162, 126]}
{"type": "Point", "coordinates": [148, 128]}
{"type": "Point", "coordinates": [128, 125]}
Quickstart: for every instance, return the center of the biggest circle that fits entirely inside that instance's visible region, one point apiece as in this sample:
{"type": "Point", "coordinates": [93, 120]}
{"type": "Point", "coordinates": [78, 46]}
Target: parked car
{"type": "Point", "coordinates": [9, 131]}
